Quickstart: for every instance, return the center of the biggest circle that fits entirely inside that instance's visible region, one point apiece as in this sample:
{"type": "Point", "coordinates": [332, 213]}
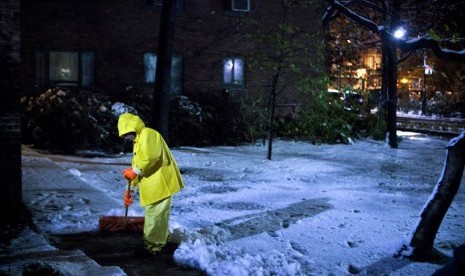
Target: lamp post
{"type": "Point", "coordinates": [339, 67]}
{"type": "Point", "coordinates": [427, 70]}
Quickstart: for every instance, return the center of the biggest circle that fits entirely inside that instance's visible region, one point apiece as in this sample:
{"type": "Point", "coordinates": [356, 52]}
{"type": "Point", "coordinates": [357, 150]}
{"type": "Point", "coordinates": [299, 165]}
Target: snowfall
{"type": "Point", "coordinates": [311, 210]}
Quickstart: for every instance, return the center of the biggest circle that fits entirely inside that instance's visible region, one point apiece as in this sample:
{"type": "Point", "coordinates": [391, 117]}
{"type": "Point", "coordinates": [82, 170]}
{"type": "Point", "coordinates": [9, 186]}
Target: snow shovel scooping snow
{"type": "Point", "coordinates": [118, 223]}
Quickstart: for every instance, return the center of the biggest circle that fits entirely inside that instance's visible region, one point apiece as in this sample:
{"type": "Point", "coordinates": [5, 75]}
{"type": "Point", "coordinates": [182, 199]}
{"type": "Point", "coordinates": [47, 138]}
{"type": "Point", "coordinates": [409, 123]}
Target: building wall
{"type": "Point", "coordinates": [120, 32]}
{"type": "Point", "coordinates": [10, 124]}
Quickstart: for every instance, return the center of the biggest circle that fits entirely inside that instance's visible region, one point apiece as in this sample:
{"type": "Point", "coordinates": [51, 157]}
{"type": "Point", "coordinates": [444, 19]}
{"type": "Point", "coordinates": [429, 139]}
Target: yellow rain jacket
{"type": "Point", "coordinates": [158, 173]}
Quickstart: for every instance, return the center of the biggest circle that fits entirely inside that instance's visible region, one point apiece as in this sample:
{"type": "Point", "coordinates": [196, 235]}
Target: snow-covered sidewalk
{"type": "Point", "coordinates": [57, 200]}
{"type": "Point", "coordinates": [312, 210]}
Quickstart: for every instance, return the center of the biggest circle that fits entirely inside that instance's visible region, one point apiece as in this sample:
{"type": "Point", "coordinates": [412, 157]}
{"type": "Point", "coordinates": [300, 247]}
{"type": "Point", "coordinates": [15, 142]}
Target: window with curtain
{"type": "Point", "coordinates": [233, 72]}
{"type": "Point", "coordinates": [64, 68]}
{"type": "Point", "coordinates": [150, 68]}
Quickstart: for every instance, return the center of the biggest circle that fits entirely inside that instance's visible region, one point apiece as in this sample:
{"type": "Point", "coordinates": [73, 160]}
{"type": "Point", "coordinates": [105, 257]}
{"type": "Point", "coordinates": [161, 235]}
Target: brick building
{"type": "Point", "coordinates": [108, 45]}
{"type": "Point", "coordinates": [10, 124]}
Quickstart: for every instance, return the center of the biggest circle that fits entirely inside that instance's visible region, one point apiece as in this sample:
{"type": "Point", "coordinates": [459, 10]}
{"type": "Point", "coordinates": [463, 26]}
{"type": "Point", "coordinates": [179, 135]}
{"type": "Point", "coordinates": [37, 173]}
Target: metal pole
{"type": "Point", "coordinates": [339, 84]}
{"type": "Point", "coordinates": [423, 91]}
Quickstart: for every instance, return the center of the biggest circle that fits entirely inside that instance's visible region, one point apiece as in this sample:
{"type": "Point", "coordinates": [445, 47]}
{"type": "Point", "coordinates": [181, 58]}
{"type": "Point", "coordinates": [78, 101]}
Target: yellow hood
{"type": "Point", "coordinates": [128, 122]}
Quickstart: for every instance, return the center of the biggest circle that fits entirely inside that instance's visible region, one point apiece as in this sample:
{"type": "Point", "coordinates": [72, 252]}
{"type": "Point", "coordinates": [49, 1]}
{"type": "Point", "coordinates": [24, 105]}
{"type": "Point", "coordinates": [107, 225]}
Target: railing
{"type": "Point", "coordinates": [438, 126]}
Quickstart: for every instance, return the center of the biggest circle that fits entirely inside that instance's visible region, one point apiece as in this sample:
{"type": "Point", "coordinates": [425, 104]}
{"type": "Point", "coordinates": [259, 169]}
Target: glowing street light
{"type": "Point", "coordinates": [400, 32]}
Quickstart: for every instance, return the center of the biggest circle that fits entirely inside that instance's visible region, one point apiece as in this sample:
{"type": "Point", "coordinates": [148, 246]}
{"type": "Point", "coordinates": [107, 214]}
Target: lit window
{"type": "Point", "coordinates": [233, 72]}
{"type": "Point", "coordinates": [64, 68]}
{"type": "Point", "coordinates": [150, 67]}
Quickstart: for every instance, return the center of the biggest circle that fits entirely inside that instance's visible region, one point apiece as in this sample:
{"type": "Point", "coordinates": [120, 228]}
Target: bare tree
{"type": "Point", "coordinates": [287, 53]}
{"type": "Point", "coordinates": [278, 59]}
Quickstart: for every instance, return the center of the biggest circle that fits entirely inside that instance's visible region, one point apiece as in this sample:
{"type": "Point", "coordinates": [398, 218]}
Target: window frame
{"type": "Point", "coordinates": [232, 84]}
{"type": "Point", "coordinates": [240, 10]}
{"type": "Point", "coordinates": [42, 71]}
{"type": "Point", "coordinates": [158, 4]}
{"type": "Point", "coordinates": [177, 79]}
{"type": "Point", "coordinates": [231, 10]}
{"type": "Point", "coordinates": [53, 72]}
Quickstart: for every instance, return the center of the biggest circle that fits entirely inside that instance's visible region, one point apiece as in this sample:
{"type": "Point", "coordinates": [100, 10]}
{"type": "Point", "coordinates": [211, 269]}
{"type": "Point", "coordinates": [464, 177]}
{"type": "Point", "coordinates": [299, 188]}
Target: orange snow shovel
{"type": "Point", "coordinates": [118, 223]}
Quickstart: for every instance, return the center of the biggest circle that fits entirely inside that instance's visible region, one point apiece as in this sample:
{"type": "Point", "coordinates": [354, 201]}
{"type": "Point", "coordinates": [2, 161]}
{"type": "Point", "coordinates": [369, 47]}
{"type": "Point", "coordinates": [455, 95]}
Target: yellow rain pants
{"type": "Point", "coordinates": [156, 230]}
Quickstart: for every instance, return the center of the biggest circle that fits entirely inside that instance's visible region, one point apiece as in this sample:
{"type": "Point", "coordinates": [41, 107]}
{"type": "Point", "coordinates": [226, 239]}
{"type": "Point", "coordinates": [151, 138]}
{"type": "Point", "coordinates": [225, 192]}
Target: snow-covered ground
{"type": "Point", "coordinates": [312, 210]}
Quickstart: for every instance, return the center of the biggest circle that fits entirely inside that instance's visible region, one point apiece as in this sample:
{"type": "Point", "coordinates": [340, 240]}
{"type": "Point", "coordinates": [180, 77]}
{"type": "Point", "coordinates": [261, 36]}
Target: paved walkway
{"type": "Point", "coordinates": [46, 186]}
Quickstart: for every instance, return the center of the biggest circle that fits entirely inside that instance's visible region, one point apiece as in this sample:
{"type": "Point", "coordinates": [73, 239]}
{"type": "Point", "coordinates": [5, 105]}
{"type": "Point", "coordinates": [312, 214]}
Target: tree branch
{"type": "Point", "coordinates": [430, 43]}
{"type": "Point", "coordinates": [405, 45]}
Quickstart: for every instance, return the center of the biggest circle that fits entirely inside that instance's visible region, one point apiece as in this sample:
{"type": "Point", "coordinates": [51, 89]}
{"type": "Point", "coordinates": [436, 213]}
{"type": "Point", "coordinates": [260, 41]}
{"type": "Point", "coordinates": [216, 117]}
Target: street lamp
{"type": "Point", "coordinates": [427, 70]}
{"type": "Point", "coordinates": [400, 32]}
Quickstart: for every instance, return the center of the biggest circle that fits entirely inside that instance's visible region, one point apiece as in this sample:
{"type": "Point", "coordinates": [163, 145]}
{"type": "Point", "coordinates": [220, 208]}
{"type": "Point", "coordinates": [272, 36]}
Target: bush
{"type": "Point", "coordinates": [409, 105]}
{"type": "Point", "coordinates": [206, 120]}
{"type": "Point", "coordinates": [374, 126]}
{"type": "Point", "coordinates": [444, 104]}
{"type": "Point", "coordinates": [255, 118]}
{"type": "Point", "coordinates": [321, 120]}
{"type": "Point", "coordinates": [67, 120]}
{"type": "Point", "coordinates": [186, 125]}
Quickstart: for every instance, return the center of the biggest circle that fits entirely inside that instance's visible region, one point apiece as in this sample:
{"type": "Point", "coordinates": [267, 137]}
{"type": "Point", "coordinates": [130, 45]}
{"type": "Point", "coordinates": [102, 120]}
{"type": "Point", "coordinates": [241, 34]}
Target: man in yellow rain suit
{"type": "Point", "coordinates": [155, 172]}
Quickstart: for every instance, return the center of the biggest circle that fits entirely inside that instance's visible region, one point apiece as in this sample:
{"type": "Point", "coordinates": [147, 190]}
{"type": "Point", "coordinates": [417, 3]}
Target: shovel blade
{"type": "Point", "coordinates": [121, 224]}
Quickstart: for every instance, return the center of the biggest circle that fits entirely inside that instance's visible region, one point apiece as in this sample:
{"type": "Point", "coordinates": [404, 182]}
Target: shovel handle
{"type": "Point", "coordinates": [126, 206]}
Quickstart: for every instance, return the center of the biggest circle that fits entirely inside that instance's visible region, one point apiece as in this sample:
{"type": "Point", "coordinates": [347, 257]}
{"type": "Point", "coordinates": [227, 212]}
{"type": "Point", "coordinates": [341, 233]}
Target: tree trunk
{"type": "Point", "coordinates": [271, 131]}
{"type": "Point", "coordinates": [162, 89]}
{"type": "Point", "coordinates": [392, 95]}
{"type": "Point", "coordinates": [389, 89]}
{"type": "Point", "coordinates": [272, 111]}
{"type": "Point", "coordinates": [383, 101]}
{"type": "Point", "coordinates": [433, 213]}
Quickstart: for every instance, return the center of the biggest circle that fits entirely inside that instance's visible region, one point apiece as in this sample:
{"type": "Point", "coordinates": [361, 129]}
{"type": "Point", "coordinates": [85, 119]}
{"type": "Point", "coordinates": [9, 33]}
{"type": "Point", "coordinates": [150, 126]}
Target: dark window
{"type": "Point", "coordinates": [40, 70]}
{"type": "Point", "coordinates": [240, 5]}
{"type": "Point", "coordinates": [179, 4]}
{"type": "Point", "coordinates": [64, 68]}
{"type": "Point", "coordinates": [87, 68]}
{"type": "Point", "coordinates": [236, 7]}
{"type": "Point", "coordinates": [150, 68]}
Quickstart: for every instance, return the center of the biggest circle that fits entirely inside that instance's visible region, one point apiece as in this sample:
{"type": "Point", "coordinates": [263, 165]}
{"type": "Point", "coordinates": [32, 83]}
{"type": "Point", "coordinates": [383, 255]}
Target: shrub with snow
{"type": "Point", "coordinates": [67, 120]}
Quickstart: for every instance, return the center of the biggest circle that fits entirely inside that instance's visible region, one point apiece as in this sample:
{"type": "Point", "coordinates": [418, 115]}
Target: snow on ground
{"type": "Point", "coordinates": [312, 210]}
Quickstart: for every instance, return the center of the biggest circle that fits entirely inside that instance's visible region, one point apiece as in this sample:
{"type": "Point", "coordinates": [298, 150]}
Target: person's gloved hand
{"type": "Point", "coordinates": [129, 174]}
{"type": "Point", "coordinates": [127, 198]}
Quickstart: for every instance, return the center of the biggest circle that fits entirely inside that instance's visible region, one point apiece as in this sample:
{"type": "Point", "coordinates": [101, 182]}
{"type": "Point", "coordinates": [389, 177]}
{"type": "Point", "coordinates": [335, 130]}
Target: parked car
{"type": "Point", "coordinates": [336, 96]}
{"type": "Point", "coordinates": [353, 101]}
